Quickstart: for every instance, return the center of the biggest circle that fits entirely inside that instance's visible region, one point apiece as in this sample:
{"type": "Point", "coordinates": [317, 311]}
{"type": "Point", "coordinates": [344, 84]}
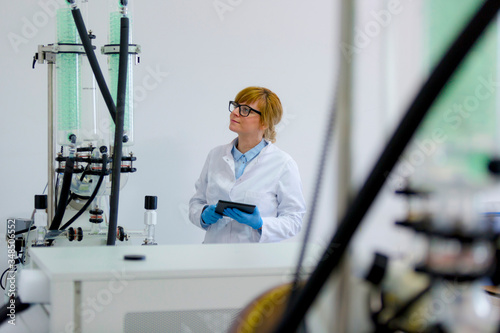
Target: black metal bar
{"type": "Point", "coordinates": [120, 118]}
{"type": "Point", "coordinates": [388, 159]}
{"type": "Point", "coordinates": [63, 199]}
{"type": "Point", "coordinates": [94, 64]}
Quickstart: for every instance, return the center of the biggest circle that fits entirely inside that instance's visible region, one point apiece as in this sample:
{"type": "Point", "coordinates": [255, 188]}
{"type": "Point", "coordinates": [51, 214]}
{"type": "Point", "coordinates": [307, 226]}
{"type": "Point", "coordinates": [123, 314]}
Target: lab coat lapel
{"type": "Point", "coordinates": [228, 157]}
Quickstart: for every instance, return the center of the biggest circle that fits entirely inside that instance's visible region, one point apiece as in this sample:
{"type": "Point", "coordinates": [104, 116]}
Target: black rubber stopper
{"type": "Point", "coordinates": [378, 269]}
{"type": "Point", "coordinates": [79, 234]}
{"type": "Point", "coordinates": [71, 234]}
{"type": "Point", "coordinates": [150, 202]}
{"type": "Point", "coordinates": [41, 201]}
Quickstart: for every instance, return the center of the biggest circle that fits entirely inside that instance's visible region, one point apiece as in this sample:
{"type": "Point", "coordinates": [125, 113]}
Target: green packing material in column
{"type": "Point", "coordinates": [114, 38]}
{"type": "Point", "coordinates": [458, 135]}
{"type": "Point", "coordinates": [68, 67]}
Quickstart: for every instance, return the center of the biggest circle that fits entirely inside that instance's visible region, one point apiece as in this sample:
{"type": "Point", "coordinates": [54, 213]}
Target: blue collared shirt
{"type": "Point", "coordinates": [241, 160]}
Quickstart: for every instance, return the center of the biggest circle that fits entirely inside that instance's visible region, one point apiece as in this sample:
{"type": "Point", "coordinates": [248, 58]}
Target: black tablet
{"type": "Point", "coordinates": [222, 204]}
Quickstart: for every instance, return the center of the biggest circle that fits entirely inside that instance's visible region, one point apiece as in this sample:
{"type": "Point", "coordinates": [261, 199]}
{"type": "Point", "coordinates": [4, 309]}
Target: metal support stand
{"type": "Point", "coordinates": [344, 184]}
{"type": "Point", "coordinates": [50, 143]}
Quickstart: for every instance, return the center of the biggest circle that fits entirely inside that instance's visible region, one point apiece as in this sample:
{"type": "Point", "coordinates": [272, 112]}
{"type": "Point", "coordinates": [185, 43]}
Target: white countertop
{"type": "Point", "coordinates": [170, 261]}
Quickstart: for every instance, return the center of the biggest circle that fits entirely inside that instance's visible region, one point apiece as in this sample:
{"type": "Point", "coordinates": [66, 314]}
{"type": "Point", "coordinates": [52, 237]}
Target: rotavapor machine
{"type": "Point", "coordinates": [89, 158]}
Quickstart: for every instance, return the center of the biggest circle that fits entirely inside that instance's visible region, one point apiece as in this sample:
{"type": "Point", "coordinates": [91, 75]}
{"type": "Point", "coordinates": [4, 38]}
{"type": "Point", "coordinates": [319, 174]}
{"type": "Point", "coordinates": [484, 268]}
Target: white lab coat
{"type": "Point", "coordinates": [271, 181]}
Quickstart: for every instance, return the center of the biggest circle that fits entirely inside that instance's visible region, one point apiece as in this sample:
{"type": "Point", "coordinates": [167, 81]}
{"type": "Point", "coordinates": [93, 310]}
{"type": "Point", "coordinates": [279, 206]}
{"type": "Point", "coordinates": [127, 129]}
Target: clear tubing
{"type": "Point", "coordinates": [94, 228]}
{"type": "Point", "coordinates": [40, 218]}
{"type": "Point", "coordinates": [150, 237]}
{"type": "Point", "coordinates": [41, 232]}
{"type": "Point", "coordinates": [88, 116]}
{"type": "Point", "coordinates": [91, 234]}
{"type": "Point", "coordinates": [114, 38]}
{"type": "Point", "coordinates": [88, 130]}
{"type": "Point", "coordinates": [41, 225]}
{"type": "Point", "coordinates": [150, 222]}
{"type": "Point", "coordinates": [68, 71]}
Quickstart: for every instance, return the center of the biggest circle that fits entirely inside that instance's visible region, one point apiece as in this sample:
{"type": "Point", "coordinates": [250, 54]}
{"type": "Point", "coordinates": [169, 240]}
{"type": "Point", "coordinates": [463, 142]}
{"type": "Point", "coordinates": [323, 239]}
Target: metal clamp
{"type": "Point", "coordinates": [115, 49]}
{"type": "Point", "coordinates": [48, 52]}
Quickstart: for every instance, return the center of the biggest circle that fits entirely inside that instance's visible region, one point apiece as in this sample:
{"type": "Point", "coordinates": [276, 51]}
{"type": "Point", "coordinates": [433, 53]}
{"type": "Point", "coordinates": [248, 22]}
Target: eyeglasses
{"type": "Point", "coordinates": [244, 110]}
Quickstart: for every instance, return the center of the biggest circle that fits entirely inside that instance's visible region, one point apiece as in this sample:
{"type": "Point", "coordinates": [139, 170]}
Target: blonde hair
{"type": "Point", "coordinates": [268, 104]}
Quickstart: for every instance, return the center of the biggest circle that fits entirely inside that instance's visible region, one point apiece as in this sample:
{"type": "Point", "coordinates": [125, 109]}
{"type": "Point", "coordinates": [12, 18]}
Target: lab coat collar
{"type": "Point", "coordinates": [228, 156]}
{"type": "Point", "coordinates": [251, 154]}
{"type": "Point", "coordinates": [229, 147]}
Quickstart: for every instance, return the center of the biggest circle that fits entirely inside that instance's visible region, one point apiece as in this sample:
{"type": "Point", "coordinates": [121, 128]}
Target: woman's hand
{"type": "Point", "coordinates": [254, 220]}
{"type": "Point", "coordinates": [209, 216]}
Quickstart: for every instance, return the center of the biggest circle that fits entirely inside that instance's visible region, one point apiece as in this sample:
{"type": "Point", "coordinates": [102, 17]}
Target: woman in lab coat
{"type": "Point", "coordinates": [252, 170]}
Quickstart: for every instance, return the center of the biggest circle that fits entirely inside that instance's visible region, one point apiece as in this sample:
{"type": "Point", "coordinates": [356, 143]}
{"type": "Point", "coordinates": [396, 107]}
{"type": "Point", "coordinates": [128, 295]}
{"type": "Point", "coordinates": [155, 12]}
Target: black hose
{"type": "Point", "coordinates": [315, 198]}
{"type": "Point", "coordinates": [92, 196]}
{"type": "Point", "coordinates": [63, 198]}
{"type": "Point", "coordinates": [55, 191]}
{"type": "Point", "coordinates": [120, 118]}
{"type": "Point", "coordinates": [1, 278]}
{"type": "Point", "coordinates": [89, 50]}
{"type": "Point", "coordinates": [388, 159]}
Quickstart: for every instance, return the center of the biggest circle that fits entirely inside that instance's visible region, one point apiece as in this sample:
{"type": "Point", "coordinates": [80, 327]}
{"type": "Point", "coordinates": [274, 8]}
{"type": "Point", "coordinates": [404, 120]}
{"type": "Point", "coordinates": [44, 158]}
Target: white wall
{"type": "Point", "coordinates": [388, 74]}
{"type": "Point", "coordinates": [195, 58]}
